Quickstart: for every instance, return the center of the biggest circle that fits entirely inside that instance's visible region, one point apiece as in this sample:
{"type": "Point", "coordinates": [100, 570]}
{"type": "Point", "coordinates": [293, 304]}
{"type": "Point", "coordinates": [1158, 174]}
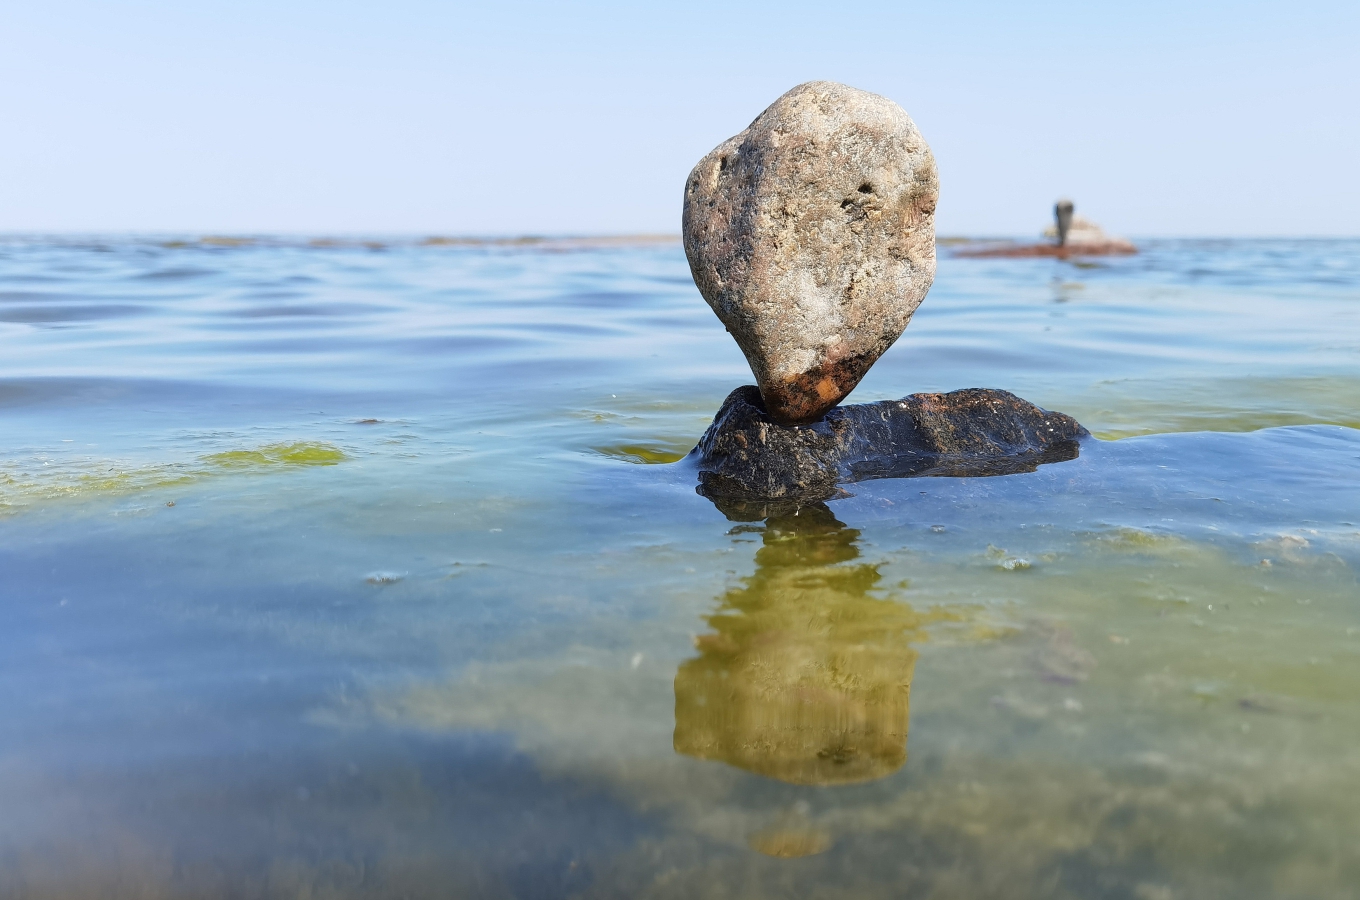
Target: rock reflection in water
{"type": "Point", "coordinates": [806, 674]}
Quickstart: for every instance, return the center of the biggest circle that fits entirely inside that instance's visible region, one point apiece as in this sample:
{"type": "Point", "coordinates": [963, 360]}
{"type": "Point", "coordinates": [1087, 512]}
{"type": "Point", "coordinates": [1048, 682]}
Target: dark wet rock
{"type": "Point", "coordinates": [747, 458]}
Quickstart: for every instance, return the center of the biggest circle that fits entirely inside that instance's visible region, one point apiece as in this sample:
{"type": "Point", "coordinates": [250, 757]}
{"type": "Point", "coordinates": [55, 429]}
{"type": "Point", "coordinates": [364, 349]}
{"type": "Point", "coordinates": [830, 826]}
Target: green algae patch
{"type": "Point", "coordinates": [21, 488]}
{"type": "Point", "coordinates": [641, 453]}
{"type": "Point", "coordinates": [46, 479]}
{"type": "Point", "coordinates": [126, 482]}
{"type": "Point", "coordinates": [1136, 540]}
{"type": "Point", "coordinates": [303, 453]}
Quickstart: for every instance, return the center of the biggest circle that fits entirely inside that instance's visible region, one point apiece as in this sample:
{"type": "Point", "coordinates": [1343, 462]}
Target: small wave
{"type": "Point", "coordinates": [51, 314]}
{"type": "Point", "coordinates": [179, 274]}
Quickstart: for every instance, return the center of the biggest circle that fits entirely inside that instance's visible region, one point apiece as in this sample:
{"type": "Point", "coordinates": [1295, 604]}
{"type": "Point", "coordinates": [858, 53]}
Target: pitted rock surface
{"type": "Point", "coordinates": [746, 455]}
{"type": "Point", "coordinates": [812, 235]}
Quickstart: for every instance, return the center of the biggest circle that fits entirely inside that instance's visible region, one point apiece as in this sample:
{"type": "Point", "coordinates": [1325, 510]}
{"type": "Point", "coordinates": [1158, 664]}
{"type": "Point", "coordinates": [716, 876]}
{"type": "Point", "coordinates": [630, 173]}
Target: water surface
{"type": "Point", "coordinates": [351, 569]}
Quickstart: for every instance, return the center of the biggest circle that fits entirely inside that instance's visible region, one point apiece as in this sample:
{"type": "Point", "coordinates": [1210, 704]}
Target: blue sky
{"type": "Point", "coordinates": [1158, 118]}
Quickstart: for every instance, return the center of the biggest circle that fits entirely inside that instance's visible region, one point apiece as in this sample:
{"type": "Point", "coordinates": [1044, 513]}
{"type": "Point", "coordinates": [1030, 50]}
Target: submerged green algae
{"type": "Point", "coordinates": [52, 478]}
{"type": "Point", "coordinates": [647, 454]}
{"type": "Point", "coordinates": [301, 453]}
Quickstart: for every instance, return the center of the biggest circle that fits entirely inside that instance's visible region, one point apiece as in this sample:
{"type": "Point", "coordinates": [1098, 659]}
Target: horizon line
{"type": "Point", "coordinates": [230, 238]}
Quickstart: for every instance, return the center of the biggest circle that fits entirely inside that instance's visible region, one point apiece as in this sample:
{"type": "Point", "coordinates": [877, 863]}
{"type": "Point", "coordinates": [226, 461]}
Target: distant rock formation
{"type": "Point", "coordinates": [1088, 237]}
{"type": "Point", "coordinates": [1070, 235]}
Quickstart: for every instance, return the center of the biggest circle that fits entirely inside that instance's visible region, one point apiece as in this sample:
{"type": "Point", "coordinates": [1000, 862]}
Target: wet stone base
{"type": "Point", "coordinates": [745, 455]}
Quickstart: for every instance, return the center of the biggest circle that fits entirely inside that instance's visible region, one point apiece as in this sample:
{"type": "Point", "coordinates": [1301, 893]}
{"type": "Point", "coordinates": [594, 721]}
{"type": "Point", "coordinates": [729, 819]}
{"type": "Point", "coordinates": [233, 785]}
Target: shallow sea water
{"type": "Point", "coordinates": [355, 570]}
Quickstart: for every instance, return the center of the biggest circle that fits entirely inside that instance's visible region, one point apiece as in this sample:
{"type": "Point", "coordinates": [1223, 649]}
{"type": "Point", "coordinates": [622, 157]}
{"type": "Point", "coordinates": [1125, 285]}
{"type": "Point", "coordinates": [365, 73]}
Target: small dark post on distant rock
{"type": "Point", "coordinates": [811, 234]}
{"type": "Point", "coordinates": [1062, 211]}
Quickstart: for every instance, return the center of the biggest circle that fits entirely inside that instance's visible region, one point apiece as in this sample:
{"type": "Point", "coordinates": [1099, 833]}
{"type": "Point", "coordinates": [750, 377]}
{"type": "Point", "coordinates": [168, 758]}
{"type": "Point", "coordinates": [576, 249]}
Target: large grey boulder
{"type": "Point", "coordinates": [812, 236]}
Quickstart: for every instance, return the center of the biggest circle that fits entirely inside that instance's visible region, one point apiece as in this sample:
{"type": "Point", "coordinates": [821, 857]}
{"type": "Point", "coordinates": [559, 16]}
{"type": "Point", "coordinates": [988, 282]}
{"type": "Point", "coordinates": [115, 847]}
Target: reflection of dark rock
{"type": "Point", "coordinates": [805, 676]}
{"type": "Point", "coordinates": [973, 432]}
{"type": "Point", "coordinates": [739, 509]}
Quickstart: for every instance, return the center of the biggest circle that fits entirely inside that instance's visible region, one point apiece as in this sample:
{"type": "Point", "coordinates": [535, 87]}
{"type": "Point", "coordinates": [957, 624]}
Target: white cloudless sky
{"type": "Point", "coordinates": [1158, 118]}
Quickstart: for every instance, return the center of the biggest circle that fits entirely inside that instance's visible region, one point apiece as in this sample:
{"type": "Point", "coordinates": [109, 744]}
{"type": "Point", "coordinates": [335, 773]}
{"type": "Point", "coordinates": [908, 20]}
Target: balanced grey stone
{"type": "Point", "coordinates": [811, 234]}
{"type": "Point", "coordinates": [746, 455]}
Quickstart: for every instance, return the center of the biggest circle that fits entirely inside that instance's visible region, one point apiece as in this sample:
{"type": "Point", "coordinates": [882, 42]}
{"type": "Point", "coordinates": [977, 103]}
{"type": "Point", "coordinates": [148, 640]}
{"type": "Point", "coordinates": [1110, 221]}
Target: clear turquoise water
{"type": "Point", "coordinates": [339, 570]}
